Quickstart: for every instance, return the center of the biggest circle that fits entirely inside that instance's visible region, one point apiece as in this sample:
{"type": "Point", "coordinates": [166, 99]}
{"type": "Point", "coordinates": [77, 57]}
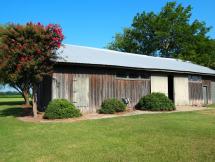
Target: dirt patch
{"type": "Point", "coordinates": [91, 116]}
{"type": "Point", "coordinates": [211, 111]}
{"type": "Point", "coordinates": [189, 108]}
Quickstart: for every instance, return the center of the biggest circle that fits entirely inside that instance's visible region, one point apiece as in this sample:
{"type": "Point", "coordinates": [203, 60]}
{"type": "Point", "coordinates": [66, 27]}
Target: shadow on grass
{"type": "Point", "coordinates": [16, 112]}
{"type": "Point", "coordinates": [12, 103]}
{"type": "Point", "coordinates": [14, 108]}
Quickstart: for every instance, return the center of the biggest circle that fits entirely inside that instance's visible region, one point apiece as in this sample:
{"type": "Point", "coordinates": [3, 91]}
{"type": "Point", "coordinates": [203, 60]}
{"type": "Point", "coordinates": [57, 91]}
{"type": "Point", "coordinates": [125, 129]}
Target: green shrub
{"type": "Point", "coordinates": [110, 106]}
{"type": "Point", "coordinates": [60, 109]}
{"type": "Point", "coordinates": [156, 102]}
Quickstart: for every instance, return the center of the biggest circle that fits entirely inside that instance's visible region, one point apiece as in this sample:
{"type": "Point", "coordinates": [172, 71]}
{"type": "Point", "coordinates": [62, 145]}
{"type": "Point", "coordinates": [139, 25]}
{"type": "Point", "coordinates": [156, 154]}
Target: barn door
{"type": "Point", "coordinates": [205, 95]}
{"type": "Point", "coordinates": [213, 92]}
{"type": "Point", "coordinates": [81, 92]}
{"type": "Point", "coordinates": [181, 93]}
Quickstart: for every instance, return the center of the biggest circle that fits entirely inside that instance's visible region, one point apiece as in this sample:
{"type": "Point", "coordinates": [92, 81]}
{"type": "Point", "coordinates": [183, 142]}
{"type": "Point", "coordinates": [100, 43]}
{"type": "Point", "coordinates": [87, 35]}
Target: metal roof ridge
{"type": "Point", "coordinates": [122, 53]}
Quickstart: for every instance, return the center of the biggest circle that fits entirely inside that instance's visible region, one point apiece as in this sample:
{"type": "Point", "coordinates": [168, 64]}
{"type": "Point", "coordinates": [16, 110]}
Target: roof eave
{"type": "Point", "coordinates": [135, 68]}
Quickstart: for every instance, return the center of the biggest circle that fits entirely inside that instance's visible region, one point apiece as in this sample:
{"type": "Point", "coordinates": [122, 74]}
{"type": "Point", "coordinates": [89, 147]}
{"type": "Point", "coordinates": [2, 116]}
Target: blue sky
{"type": "Point", "coordinates": [93, 22]}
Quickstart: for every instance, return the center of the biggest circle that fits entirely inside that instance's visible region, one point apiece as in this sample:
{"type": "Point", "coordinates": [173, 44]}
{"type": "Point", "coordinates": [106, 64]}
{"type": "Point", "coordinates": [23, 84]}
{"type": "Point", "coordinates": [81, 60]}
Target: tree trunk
{"type": "Point", "coordinates": [23, 92]}
{"type": "Point", "coordinates": [34, 100]}
{"type": "Point", "coordinates": [26, 97]}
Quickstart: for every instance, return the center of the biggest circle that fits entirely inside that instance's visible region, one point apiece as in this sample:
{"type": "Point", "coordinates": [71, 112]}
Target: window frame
{"type": "Point", "coordinates": [129, 78]}
{"type": "Point", "coordinates": [191, 78]}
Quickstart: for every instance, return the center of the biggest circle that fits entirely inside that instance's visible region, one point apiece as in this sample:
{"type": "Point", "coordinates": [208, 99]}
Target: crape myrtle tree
{"type": "Point", "coordinates": [27, 55]}
{"type": "Point", "coordinates": [168, 33]}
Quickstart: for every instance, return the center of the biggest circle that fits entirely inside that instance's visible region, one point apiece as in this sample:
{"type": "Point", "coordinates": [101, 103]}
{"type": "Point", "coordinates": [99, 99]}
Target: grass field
{"type": "Point", "coordinates": [10, 96]}
{"type": "Point", "coordinates": [171, 137]}
{"type": "Point", "coordinates": [212, 106]}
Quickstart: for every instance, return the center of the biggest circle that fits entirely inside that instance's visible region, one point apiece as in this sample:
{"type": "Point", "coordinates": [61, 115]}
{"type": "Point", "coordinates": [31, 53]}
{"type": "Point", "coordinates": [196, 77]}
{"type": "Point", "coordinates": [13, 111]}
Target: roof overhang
{"type": "Point", "coordinates": [134, 68]}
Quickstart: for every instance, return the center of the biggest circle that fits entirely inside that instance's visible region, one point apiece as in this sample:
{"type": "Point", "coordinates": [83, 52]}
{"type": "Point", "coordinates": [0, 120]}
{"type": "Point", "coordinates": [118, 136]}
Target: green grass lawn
{"type": "Point", "coordinates": [172, 137]}
{"type": "Point", "coordinates": [211, 106]}
{"type": "Point", "coordinates": [10, 96]}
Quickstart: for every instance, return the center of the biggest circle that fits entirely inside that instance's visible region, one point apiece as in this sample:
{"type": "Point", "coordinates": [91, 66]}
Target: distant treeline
{"type": "Point", "coordinates": [10, 94]}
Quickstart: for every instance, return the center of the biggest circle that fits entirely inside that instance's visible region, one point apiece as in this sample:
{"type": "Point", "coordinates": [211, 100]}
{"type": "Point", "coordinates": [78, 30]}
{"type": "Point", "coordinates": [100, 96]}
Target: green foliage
{"type": "Point", "coordinates": [110, 106]}
{"type": "Point", "coordinates": [156, 102]}
{"type": "Point", "coordinates": [27, 53]}
{"type": "Point", "coordinates": [60, 109]}
{"type": "Point", "coordinates": [169, 33]}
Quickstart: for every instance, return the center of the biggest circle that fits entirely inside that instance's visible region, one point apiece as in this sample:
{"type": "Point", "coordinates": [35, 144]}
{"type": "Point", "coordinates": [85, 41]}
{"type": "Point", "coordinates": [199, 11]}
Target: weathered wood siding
{"type": "Point", "coordinates": [107, 86]}
{"type": "Point", "coordinates": [207, 82]}
{"type": "Point", "coordinates": [62, 86]}
{"type": "Point", "coordinates": [87, 88]}
{"type": "Point", "coordinates": [196, 91]}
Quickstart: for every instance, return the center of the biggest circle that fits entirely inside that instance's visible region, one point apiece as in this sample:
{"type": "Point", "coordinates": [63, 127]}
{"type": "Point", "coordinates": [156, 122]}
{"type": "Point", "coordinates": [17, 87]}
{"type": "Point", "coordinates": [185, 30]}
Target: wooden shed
{"type": "Point", "coordinates": [87, 76]}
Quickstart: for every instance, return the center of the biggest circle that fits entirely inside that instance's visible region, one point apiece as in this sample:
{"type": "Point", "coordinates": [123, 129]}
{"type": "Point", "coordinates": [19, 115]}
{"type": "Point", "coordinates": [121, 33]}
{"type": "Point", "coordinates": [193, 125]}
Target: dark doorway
{"type": "Point", "coordinates": [171, 87]}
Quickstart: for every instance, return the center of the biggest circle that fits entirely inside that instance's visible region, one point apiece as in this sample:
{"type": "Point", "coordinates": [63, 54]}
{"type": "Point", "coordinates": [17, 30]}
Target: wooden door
{"type": "Point", "coordinates": [81, 92]}
{"type": "Point", "coordinates": [205, 95]}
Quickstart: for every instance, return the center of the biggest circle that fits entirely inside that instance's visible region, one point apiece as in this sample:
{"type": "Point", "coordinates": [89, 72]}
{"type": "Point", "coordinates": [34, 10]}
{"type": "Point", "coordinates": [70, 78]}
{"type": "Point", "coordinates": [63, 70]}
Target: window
{"type": "Point", "coordinates": [145, 76]}
{"type": "Point", "coordinates": [195, 78]}
{"type": "Point", "coordinates": [132, 76]}
{"type": "Point", "coordinates": [121, 75]}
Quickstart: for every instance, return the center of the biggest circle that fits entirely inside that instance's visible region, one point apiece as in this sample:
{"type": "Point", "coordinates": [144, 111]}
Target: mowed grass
{"type": "Point", "coordinates": [171, 137]}
{"type": "Point", "coordinates": [11, 96]}
{"type": "Point", "coordinates": [211, 106]}
{"type": "Point", "coordinates": [10, 100]}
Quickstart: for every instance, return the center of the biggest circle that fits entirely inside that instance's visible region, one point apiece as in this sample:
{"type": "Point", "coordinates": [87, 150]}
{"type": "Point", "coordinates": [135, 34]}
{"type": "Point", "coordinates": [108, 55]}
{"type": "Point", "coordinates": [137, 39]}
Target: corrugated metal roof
{"type": "Point", "coordinates": [95, 56]}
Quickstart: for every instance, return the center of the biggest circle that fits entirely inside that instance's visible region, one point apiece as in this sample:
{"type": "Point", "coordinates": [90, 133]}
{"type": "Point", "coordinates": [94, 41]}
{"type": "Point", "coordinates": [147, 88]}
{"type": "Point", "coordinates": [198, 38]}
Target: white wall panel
{"type": "Point", "coordinates": [181, 92]}
{"type": "Point", "coordinates": [159, 83]}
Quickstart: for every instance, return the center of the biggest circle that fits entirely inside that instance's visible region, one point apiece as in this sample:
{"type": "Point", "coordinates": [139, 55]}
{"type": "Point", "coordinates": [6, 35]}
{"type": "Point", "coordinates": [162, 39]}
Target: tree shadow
{"type": "Point", "coordinates": [12, 103]}
{"type": "Point", "coordinates": [14, 108]}
{"type": "Point", "coordinates": [16, 112]}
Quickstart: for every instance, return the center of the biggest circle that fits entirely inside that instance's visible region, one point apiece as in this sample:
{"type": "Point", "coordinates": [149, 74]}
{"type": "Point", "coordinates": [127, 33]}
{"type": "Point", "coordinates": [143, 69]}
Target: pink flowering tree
{"type": "Point", "coordinates": [27, 55]}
